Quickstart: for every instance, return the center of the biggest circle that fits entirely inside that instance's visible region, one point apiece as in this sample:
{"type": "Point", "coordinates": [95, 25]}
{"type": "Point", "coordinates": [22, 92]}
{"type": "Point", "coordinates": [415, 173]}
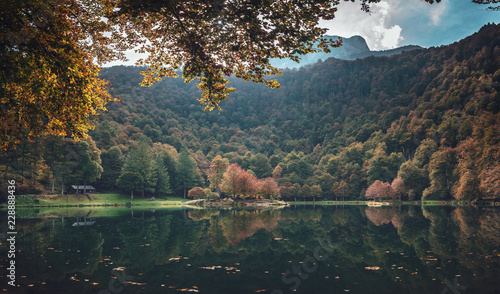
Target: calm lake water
{"type": "Point", "coordinates": [351, 249]}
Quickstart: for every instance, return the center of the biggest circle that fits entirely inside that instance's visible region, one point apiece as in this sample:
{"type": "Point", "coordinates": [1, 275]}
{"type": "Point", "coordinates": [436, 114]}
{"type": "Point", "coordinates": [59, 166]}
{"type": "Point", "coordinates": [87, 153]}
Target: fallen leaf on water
{"type": "Point", "coordinates": [121, 268]}
{"type": "Point", "coordinates": [372, 268]}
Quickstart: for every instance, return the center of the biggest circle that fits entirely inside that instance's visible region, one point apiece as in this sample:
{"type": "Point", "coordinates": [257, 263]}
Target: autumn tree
{"type": "Point", "coordinates": [248, 185]}
{"type": "Point", "coordinates": [269, 188]}
{"type": "Point", "coordinates": [216, 173]}
{"type": "Point", "coordinates": [196, 193]}
{"type": "Point", "coordinates": [380, 190]}
{"type": "Point", "coordinates": [50, 51]}
{"type": "Point", "coordinates": [490, 181]}
{"type": "Point", "coordinates": [398, 187]}
{"type": "Point", "coordinates": [277, 173]}
{"type": "Point", "coordinates": [467, 184]}
{"type": "Point", "coordinates": [239, 182]}
{"type": "Point", "coordinates": [230, 182]}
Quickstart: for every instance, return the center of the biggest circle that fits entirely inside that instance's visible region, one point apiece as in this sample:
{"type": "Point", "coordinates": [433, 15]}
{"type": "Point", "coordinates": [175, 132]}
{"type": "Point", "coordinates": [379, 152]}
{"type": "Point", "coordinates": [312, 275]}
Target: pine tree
{"type": "Point", "coordinates": [141, 162]}
{"type": "Point", "coordinates": [162, 177]}
{"type": "Point", "coordinates": [129, 180]}
{"type": "Point", "coordinates": [186, 171]}
{"type": "Point", "coordinates": [112, 164]}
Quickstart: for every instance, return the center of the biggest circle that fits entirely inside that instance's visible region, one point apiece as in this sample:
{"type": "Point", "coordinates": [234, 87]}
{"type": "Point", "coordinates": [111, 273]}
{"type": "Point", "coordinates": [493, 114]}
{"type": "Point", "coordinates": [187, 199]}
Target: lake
{"type": "Point", "coordinates": [350, 249]}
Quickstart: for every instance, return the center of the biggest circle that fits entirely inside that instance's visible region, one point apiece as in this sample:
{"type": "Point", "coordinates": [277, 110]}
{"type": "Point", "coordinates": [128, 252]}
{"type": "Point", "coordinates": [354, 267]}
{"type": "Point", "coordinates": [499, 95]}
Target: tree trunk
{"type": "Point", "coordinates": [85, 187]}
{"type": "Point", "coordinates": [131, 195]}
{"type": "Point", "coordinates": [53, 182]}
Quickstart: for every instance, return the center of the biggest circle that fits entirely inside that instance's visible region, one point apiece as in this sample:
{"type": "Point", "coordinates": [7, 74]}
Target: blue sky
{"type": "Point", "coordinates": [394, 23]}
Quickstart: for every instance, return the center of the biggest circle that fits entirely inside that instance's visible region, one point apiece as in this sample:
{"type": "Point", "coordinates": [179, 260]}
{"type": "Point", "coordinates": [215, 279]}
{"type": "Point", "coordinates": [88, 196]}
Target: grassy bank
{"type": "Point", "coordinates": [111, 199]}
{"type": "Point", "coordinates": [116, 199]}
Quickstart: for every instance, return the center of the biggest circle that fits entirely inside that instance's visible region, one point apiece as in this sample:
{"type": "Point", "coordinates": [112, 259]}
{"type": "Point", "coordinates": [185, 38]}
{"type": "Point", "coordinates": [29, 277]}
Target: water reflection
{"type": "Point", "coordinates": [322, 250]}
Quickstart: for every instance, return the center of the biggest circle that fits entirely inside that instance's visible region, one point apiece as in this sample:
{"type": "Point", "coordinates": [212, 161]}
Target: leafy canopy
{"type": "Point", "coordinates": [51, 51]}
{"type": "Point", "coordinates": [214, 39]}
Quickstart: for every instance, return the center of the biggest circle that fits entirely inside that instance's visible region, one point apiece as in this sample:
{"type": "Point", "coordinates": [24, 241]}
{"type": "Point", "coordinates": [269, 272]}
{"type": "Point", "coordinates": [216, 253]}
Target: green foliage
{"type": "Point", "coordinates": [112, 164]}
{"type": "Point", "coordinates": [140, 168]}
{"type": "Point", "coordinates": [414, 179]}
{"type": "Point", "coordinates": [186, 174]}
{"type": "Point", "coordinates": [129, 180]}
{"type": "Point", "coordinates": [162, 177]}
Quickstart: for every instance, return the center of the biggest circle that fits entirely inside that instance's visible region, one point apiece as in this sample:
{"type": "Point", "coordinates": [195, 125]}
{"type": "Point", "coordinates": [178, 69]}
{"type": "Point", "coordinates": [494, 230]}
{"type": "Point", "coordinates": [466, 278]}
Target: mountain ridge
{"type": "Point", "coordinates": [352, 48]}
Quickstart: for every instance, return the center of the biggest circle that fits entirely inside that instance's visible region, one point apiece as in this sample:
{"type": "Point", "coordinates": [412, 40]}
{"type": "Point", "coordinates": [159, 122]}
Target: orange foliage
{"type": "Point", "coordinates": [379, 190]}
{"type": "Point", "coordinates": [197, 193]}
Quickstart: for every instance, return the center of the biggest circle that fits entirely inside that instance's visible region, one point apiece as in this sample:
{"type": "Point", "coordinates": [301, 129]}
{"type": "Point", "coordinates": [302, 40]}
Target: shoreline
{"type": "Point", "coordinates": [120, 200]}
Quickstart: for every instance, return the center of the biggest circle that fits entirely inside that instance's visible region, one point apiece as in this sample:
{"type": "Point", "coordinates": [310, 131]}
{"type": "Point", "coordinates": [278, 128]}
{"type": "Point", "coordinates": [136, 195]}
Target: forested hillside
{"type": "Point", "coordinates": [423, 124]}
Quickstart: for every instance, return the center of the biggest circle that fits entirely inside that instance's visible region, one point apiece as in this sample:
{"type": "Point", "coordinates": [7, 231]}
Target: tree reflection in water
{"type": "Point", "coordinates": [370, 250]}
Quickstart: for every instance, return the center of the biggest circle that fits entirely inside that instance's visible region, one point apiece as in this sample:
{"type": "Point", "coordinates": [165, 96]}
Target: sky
{"type": "Point", "coordinates": [395, 23]}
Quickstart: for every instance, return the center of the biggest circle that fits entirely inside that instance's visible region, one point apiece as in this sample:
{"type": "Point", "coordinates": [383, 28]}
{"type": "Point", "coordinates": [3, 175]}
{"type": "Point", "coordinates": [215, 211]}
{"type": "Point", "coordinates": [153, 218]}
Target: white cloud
{"type": "Point", "coordinates": [350, 20]}
{"type": "Point", "coordinates": [437, 12]}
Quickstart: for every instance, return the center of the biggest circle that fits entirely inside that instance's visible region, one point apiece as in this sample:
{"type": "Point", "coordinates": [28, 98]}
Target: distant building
{"type": "Point", "coordinates": [80, 188]}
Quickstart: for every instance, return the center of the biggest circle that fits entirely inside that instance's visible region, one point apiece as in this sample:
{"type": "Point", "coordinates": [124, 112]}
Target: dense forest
{"type": "Point", "coordinates": [423, 124]}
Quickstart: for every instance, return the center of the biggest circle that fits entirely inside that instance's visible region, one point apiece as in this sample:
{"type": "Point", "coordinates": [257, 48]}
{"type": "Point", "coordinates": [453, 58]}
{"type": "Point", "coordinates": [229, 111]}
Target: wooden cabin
{"type": "Point", "coordinates": [80, 188]}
